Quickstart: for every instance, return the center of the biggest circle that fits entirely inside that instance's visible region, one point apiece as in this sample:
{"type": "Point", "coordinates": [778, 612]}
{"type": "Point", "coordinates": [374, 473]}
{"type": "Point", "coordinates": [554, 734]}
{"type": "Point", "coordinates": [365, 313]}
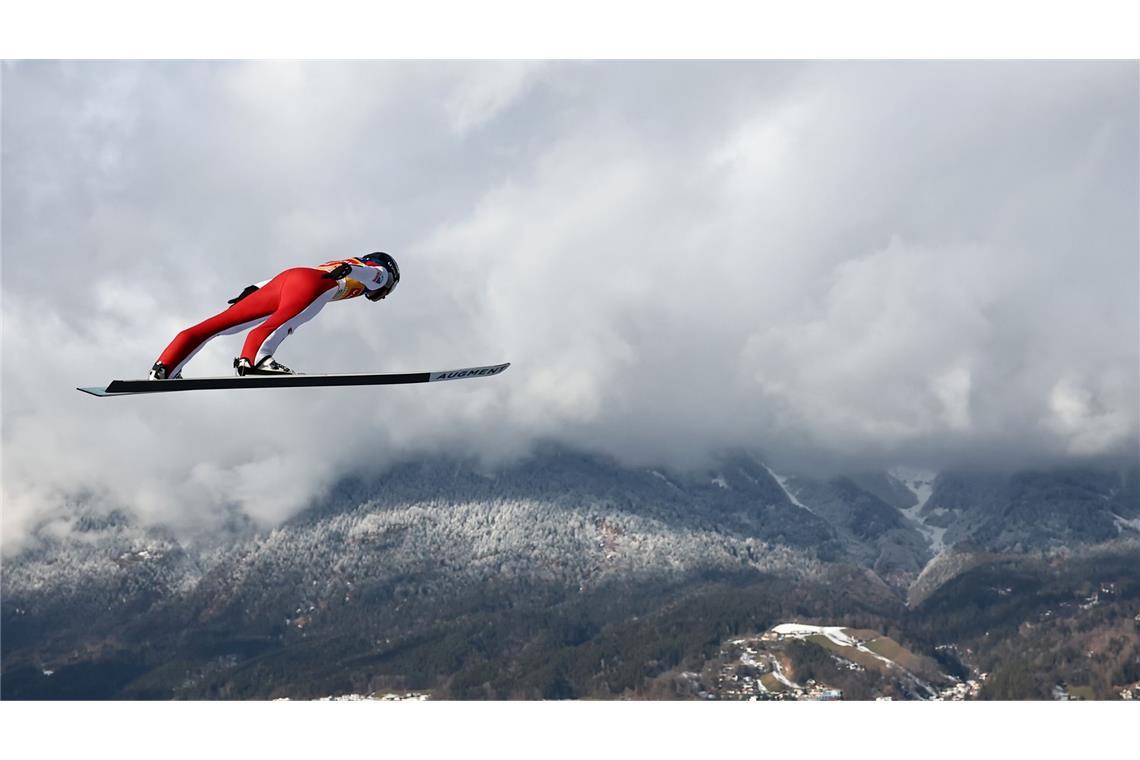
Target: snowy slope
{"type": "Point", "coordinates": [783, 481]}
{"type": "Point", "coordinates": [921, 484]}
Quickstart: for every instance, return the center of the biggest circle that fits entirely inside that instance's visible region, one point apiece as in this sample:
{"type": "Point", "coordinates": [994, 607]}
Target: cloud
{"type": "Point", "coordinates": [842, 263]}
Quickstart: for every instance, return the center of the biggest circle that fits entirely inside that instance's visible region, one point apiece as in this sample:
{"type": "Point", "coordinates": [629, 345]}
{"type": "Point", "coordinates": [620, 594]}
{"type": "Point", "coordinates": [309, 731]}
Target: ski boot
{"type": "Point", "coordinates": [158, 372]}
{"type": "Point", "coordinates": [266, 366]}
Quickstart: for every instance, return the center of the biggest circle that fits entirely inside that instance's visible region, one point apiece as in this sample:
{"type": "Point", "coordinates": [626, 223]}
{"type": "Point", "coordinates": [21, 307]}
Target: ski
{"type": "Point", "coordinates": [131, 387]}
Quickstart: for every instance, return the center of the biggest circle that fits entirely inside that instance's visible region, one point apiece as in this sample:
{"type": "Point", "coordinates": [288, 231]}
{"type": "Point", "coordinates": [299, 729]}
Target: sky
{"type": "Point", "coordinates": [836, 264]}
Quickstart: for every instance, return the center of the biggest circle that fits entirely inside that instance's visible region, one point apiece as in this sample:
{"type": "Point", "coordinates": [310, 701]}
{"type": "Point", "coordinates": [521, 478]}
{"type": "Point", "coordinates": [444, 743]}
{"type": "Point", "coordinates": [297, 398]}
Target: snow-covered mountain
{"type": "Point", "coordinates": [435, 535]}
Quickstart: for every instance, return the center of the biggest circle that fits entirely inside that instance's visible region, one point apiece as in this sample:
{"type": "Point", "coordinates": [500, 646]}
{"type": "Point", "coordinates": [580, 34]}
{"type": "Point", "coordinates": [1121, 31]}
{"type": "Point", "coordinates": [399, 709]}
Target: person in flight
{"type": "Point", "coordinates": [275, 308]}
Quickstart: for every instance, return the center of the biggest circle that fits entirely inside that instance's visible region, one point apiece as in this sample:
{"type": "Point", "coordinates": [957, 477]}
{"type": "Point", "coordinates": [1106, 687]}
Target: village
{"type": "Point", "coordinates": [750, 673]}
{"type": "Point", "coordinates": [755, 669]}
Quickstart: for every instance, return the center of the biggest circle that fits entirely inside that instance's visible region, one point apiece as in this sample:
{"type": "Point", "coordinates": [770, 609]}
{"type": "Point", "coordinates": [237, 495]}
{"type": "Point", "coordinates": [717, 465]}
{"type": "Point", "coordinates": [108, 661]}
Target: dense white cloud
{"type": "Point", "coordinates": [834, 262]}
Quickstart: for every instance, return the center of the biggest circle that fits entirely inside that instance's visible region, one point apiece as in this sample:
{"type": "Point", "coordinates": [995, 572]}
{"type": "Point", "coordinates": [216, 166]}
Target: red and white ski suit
{"type": "Point", "coordinates": [284, 302]}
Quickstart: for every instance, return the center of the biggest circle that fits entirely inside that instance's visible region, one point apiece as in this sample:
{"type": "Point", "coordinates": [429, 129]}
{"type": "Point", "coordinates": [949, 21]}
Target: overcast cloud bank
{"type": "Point", "coordinates": [836, 263]}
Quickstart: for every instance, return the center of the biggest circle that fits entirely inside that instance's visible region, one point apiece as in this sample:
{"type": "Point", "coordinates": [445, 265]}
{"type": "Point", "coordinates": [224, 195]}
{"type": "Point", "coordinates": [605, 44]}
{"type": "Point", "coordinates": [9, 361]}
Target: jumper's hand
{"type": "Point", "coordinates": [248, 289]}
{"type": "Point", "coordinates": [344, 270]}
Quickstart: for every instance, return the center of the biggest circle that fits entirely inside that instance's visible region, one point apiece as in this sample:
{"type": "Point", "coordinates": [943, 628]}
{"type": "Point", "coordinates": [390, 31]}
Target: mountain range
{"type": "Point", "coordinates": [570, 575]}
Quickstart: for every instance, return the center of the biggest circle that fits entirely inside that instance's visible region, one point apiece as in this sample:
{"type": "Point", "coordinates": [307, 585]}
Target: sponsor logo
{"type": "Point", "coordinates": [480, 372]}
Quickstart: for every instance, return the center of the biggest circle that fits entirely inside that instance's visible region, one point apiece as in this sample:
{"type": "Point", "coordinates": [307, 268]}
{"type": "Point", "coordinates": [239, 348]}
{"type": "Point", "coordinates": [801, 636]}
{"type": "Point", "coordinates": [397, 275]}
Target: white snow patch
{"type": "Point", "coordinates": [720, 481]}
{"type": "Point", "coordinates": [1123, 523]}
{"type": "Point", "coordinates": [778, 672]}
{"type": "Point", "coordinates": [783, 483]}
{"type": "Point", "coordinates": [833, 632]}
{"type": "Point", "coordinates": [921, 484]}
{"type": "Point", "coordinates": [937, 538]}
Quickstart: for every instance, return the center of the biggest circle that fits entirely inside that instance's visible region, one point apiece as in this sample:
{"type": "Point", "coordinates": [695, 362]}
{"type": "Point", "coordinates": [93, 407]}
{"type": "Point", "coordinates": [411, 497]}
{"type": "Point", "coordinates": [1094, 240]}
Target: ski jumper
{"type": "Point", "coordinates": [281, 305]}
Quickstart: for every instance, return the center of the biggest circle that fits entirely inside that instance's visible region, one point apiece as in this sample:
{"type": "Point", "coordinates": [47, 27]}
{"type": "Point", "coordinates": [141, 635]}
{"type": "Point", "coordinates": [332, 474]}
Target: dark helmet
{"type": "Point", "coordinates": [390, 265]}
